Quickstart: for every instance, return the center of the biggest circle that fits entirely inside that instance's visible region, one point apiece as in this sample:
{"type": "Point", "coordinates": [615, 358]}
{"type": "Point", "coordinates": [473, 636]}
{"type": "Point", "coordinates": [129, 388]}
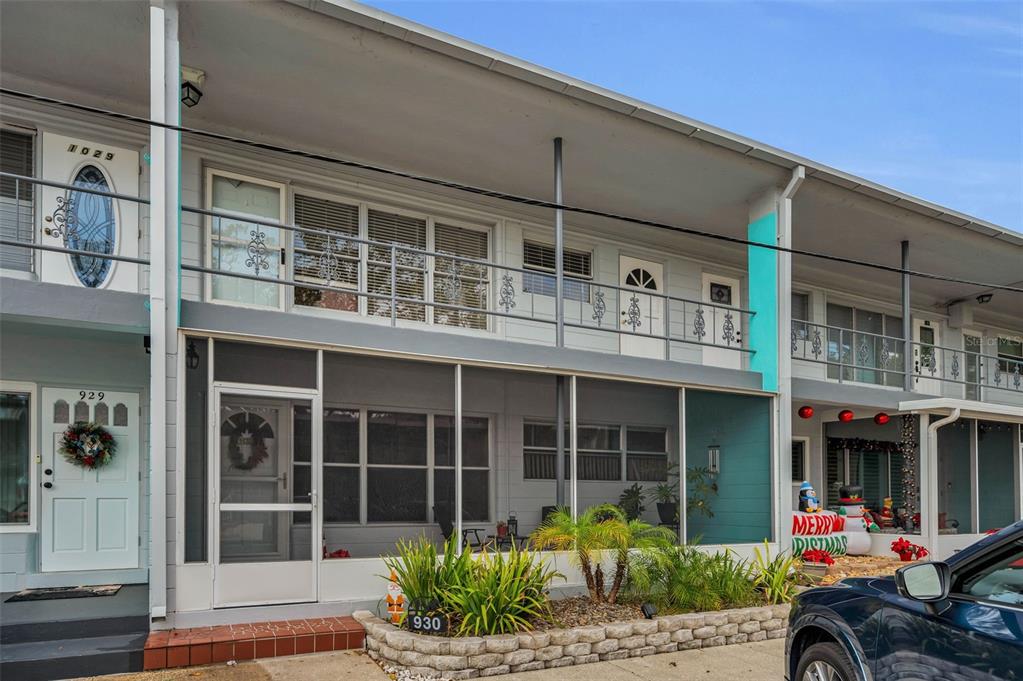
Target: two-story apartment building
{"type": "Point", "coordinates": [341, 307]}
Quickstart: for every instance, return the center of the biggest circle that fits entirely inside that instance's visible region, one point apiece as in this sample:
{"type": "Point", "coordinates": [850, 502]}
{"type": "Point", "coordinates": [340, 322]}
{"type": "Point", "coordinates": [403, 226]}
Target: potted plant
{"type": "Point", "coordinates": [631, 501]}
{"type": "Point", "coordinates": [816, 562]}
{"type": "Point", "coordinates": [666, 495]}
{"type": "Point", "coordinates": [502, 528]}
{"type": "Point", "coordinates": [907, 550]}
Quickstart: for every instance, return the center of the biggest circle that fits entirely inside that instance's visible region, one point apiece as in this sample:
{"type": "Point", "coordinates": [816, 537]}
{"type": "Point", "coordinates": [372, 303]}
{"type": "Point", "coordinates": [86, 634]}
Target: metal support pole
{"type": "Point", "coordinates": [907, 323]}
{"type": "Point", "coordinates": [682, 500]}
{"type": "Point", "coordinates": [559, 439]}
{"type": "Point", "coordinates": [573, 447]}
{"type": "Point", "coordinates": [559, 248]}
{"type": "Point", "coordinates": [458, 456]}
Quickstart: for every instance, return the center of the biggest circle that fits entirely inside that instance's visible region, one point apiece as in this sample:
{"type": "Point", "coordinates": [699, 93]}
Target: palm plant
{"type": "Point", "coordinates": [683, 579]}
{"type": "Point", "coordinates": [631, 501]}
{"type": "Point", "coordinates": [598, 529]}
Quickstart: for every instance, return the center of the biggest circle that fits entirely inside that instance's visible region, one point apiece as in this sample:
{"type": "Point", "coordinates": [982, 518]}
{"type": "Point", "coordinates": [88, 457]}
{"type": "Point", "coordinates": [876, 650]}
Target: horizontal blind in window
{"type": "Point", "coordinates": [328, 264]}
{"type": "Point", "coordinates": [403, 230]}
{"type": "Point", "coordinates": [457, 282]}
{"type": "Point", "coordinates": [16, 199]}
{"type": "Point", "coordinates": [578, 265]}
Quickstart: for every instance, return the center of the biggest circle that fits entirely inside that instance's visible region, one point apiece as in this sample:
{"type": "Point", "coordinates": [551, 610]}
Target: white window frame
{"type": "Point", "coordinates": [285, 238]}
{"type": "Point", "coordinates": [430, 467]}
{"type": "Point", "coordinates": [586, 280]}
{"type": "Point", "coordinates": [33, 456]}
{"type": "Point", "coordinates": [33, 269]}
{"type": "Point", "coordinates": [431, 217]}
{"type": "Point", "coordinates": [622, 449]}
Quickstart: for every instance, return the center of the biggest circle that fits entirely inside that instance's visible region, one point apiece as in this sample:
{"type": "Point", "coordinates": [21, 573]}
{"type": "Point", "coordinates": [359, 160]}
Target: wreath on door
{"type": "Point", "coordinates": [88, 445]}
{"type": "Point", "coordinates": [250, 431]}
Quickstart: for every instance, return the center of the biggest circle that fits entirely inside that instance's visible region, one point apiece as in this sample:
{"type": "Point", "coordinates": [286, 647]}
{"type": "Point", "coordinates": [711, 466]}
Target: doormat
{"type": "Point", "coordinates": [61, 592]}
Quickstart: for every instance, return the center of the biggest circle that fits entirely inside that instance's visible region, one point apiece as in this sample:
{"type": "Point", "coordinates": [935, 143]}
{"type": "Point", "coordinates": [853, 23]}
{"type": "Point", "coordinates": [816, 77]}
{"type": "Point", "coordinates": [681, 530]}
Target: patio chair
{"type": "Point", "coordinates": [445, 517]}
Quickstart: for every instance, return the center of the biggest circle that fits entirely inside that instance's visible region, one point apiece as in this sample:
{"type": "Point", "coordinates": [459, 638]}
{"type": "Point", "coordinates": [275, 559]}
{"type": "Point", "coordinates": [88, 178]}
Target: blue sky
{"type": "Point", "coordinates": [923, 97]}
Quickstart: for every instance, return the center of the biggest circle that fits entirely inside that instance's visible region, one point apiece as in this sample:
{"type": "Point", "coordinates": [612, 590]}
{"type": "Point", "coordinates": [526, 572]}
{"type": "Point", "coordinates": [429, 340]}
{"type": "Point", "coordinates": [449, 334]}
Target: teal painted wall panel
{"type": "Point", "coordinates": [954, 473]}
{"type": "Point", "coordinates": [763, 300]}
{"type": "Point", "coordinates": [994, 473]}
{"type": "Point", "coordinates": [741, 426]}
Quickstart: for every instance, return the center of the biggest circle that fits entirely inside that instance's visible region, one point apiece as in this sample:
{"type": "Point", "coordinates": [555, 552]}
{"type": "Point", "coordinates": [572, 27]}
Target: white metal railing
{"type": "Point", "coordinates": [866, 357]}
{"type": "Point", "coordinates": [400, 282]}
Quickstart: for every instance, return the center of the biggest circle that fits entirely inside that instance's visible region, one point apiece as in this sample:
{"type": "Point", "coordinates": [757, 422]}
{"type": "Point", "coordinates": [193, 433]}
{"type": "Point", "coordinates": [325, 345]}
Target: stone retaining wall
{"type": "Point", "coordinates": [471, 657]}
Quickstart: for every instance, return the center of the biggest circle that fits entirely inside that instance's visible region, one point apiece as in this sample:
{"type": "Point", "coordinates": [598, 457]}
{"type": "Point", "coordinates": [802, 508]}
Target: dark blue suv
{"type": "Point", "coordinates": [933, 621]}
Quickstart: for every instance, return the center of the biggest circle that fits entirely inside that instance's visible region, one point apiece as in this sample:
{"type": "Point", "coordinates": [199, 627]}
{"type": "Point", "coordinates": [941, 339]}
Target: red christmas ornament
{"type": "Point", "coordinates": [881, 418]}
{"type": "Point", "coordinates": [805, 412]}
{"type": "Point", "coordinates": [846, 415]}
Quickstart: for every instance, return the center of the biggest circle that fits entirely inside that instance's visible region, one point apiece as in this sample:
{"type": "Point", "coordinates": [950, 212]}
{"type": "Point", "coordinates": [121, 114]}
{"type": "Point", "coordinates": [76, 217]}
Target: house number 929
{"type": "Point", "coordinates": [91, 395]}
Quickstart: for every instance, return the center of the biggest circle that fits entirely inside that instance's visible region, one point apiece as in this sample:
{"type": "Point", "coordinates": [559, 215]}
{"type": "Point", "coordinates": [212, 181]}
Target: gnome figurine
{"type": "Point", "coordinates": [808, 501]}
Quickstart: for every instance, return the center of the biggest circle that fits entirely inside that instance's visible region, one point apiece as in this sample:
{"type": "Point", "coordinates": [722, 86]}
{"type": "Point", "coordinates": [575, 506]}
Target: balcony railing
{"type": "Point", "coordinates": [398, 283]}
{"type": "Point", "coordinates": [866, 357]}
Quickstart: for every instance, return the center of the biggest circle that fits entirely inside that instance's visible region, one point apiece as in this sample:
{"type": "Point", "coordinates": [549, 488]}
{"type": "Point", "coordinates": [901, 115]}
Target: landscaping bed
{"type": "Point", "coordinates": [492, 655]}
{"type": "Point", "coordinates": [860, 566]}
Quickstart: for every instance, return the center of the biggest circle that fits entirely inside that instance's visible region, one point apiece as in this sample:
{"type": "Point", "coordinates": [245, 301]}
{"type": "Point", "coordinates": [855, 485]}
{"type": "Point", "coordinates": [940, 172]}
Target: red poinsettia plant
{"type": "Point", "coordinates": [818, 556]}
{"type": "Point", "coordinates": [907, 550]}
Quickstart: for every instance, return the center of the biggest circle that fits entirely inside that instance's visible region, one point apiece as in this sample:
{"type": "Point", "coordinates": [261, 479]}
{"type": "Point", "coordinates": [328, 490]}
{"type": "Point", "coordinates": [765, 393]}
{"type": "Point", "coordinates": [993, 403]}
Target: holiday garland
{"type": "Point", "coordinates": [88, 445]}
{"type": "Point", "coordinates": [908, 449]}
{"type": "Point", "coordinates": [858, 444]}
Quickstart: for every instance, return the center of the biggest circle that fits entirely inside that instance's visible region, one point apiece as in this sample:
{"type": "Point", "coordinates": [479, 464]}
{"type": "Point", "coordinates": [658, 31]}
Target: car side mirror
{"type": "Point", "coordinates": [928, 582]}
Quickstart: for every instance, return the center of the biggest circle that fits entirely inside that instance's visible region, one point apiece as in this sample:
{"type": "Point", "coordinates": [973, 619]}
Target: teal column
{"type": "Point", "coordinates": [763, 333]}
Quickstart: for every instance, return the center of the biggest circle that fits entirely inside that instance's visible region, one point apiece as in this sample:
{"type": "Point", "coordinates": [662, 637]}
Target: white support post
{"type": "Point", "coordinates": [573, 446]}
{"type": "Point", "coordinates": [783, 440]}
{"type": "Point", "coordinates": [458, 456]}
{"type": "Point", "coordinates": [682, 501]}
{"type": "Point", "coordinates": [157, 315]}
{"type": "Point", "coordinates": [928, 491]}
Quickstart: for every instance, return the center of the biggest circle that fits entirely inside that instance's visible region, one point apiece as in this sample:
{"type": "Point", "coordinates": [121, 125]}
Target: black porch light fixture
{"type": "Point", "coordinates": [190, 93]}
{"type": "Point", "coordinates": [985, 298]}
{"type": "Point", "coordinates": [192, 356]}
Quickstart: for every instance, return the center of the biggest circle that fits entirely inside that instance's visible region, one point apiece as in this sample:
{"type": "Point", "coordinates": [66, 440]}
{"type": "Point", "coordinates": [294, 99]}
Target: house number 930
{"type": "Point", "coordinates": [91, 394]}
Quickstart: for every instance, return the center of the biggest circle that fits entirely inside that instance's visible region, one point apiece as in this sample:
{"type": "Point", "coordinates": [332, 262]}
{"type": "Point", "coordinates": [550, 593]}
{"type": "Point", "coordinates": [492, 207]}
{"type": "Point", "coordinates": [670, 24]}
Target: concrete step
{"type": "Point", "coordinates": [72, 657]}
{"type": "Point", "coordinates": [60, 630]}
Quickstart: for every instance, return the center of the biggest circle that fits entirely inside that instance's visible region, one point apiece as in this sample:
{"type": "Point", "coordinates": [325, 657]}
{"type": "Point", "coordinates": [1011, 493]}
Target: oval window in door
{"type": "Point", "coordinates": [91, 227]}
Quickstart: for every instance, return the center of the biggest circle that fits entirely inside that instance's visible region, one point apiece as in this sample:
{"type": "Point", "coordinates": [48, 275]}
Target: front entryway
{"type": "Point", "coordinates": [724, 326]}
{"type": "Point", "coordinates": [927, 359]}
{"type": "Point", "coordinates": [641, 309]}
{"type": "Point", "coordinates": [90, 517]}
{"type": "Point", "coordinates": [263, 520]}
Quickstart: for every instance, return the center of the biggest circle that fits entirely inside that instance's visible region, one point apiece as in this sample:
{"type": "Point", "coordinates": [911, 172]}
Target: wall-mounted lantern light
{"type": "Point", "coordinates": [190, 94]}
{"type": "Point", "coordinates": [192, 356]}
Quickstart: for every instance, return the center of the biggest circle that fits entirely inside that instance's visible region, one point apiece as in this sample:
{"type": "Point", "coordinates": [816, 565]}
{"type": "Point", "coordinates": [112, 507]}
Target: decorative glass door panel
{"type": "Point", "coordinates": [243, 247]}
{"type": "Point", "coordinates": [264, 516]}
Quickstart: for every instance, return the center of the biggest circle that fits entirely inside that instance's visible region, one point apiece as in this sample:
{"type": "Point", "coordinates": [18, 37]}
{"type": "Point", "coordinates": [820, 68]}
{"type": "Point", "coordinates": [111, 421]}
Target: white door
{"type": "Point", "coordinates": [90, 518]}
{"type": "Point", "coordinates": [88, 222]}
{"type": "Point", "coordinates": [723, 327]}
{"type": "Point", "coordinates": [972, 369]}
{"type": "Point", "coordinates": [263, 520]}
{"type": "Point", "coordinates": [641, 314]}
{"type": "Point", "coordinates": [927, 358]}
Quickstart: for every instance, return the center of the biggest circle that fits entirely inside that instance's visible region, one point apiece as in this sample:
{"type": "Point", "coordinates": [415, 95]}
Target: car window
{"type": "Point", "coordinates": [997, 577]}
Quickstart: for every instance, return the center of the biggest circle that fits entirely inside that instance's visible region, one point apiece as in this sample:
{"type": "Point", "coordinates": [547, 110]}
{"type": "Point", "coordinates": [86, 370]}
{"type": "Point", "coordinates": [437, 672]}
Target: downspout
{"type": "Point", "coordinates": [784, 405]}
{"type": "Point", "coordinates": [931, 516]}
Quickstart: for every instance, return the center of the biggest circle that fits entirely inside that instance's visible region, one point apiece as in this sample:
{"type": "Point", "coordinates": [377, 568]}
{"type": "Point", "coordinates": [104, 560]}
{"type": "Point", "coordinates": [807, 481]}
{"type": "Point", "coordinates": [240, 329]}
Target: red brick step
{"type": "Point", "coordinates": [205, 645]}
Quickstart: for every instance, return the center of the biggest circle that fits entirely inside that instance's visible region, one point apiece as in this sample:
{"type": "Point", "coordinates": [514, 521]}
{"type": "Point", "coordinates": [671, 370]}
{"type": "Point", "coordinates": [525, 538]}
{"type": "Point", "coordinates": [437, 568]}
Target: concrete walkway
{"type": "Point", "coordinates": [760, 661]}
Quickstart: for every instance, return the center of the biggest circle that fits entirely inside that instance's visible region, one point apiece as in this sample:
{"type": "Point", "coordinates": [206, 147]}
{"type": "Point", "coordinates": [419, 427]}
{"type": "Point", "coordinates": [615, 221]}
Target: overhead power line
{"type": "Point", "coordinates": [495, 194]}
